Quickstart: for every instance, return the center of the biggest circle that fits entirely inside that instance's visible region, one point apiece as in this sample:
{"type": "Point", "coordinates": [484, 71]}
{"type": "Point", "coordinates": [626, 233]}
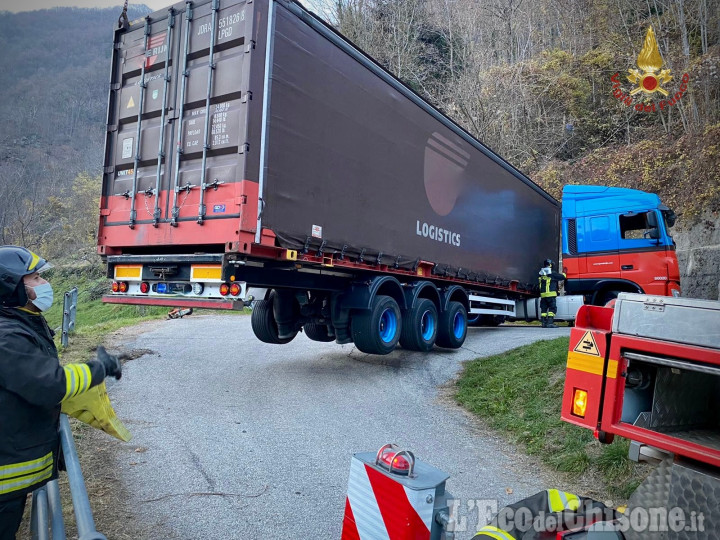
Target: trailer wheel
{"type": "Point", "coordinates": [452, 329]}
{"type": "Point", "coordinates": [420, 325]}
{"type": "Point", "coordinates": [263, 323]}
{"type": "Point", "coordinates": [318, 332]}
{"type": "Point", "coordinates": [377, 330]}
{"type": "Point", "coordinates": [474, 319]}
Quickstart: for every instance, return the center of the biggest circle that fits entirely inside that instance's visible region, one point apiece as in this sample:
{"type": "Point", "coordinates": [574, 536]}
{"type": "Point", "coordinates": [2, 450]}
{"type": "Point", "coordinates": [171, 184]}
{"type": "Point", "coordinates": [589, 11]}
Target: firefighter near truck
{"type": "Point", "coordinates": [252, 150]}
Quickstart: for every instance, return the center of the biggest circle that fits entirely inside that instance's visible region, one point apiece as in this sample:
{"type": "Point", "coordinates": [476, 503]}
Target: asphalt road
{"type": "Point", "coordinates": [237, 439]}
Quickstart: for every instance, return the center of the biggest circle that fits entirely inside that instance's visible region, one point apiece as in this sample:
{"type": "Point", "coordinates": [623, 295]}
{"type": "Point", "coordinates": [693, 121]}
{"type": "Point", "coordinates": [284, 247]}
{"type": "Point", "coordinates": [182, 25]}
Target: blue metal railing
{"type": "Point", "coordinates": [69, 314]}
{"type": "Point", "coordinates": [46, 518]}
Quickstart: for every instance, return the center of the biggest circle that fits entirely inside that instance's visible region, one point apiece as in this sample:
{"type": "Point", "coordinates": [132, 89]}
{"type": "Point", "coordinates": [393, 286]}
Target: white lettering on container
{"type": "Point", "coordinates": [438, 234]}
{"type": "Point", "coordinates": [224, 25]}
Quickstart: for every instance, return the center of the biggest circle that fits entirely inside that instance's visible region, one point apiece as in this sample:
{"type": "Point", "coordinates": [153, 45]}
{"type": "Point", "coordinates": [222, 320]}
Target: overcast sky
{"type": "Point", "coordinates": [30, 5]}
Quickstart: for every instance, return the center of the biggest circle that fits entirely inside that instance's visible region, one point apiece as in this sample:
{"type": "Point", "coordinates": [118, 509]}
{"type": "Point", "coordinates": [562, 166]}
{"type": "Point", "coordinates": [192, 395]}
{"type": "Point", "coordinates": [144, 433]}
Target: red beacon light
{"type": "Point", "coordinates": [115, 286]}
{"type": "Point", "coordinates": [123, 285]}
{"type": "Point", "coordinates": [396, 461]}
{"type": "Point", "coordinates": [235, 289]}
{"type": "Point", "coordinates": [224, 289]}
{"type": "Point", "coordinates": [144, 287]}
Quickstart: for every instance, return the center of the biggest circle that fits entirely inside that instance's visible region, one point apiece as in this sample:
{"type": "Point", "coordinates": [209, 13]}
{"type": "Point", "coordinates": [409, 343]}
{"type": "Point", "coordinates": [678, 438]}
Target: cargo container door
{"type": "Point", "coordinates": [175, 162]}
{"type": "Point", "coordinates": [210, 167]}
{"type": "Point", "coordinates": [143, 90]}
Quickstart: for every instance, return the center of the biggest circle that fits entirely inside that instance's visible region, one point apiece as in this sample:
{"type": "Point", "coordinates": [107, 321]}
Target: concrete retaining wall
{"type": "Point", "coordinates": [698, 251]}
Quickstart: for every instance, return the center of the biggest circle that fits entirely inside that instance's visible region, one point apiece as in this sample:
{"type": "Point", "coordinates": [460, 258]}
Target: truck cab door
{"type": "Point", "coordinates": [598, 240]}
{"type": "Point", "coordinates": [642, 253]}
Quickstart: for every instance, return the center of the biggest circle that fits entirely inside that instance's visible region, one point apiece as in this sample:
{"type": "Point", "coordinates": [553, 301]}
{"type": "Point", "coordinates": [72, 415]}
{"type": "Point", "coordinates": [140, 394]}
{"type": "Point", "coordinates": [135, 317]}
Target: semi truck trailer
{"type": "Point", "coordinates": [250, 146]}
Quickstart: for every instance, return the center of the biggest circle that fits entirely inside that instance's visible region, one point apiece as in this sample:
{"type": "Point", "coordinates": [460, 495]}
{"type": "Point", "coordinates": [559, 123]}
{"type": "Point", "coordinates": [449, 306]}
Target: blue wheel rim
{"type": "Point", "coordinates": [387, 327]}
{"type": "Point", "coordinates": [459, 325]}
{"type": "Point", "coordinates": [427, 325]}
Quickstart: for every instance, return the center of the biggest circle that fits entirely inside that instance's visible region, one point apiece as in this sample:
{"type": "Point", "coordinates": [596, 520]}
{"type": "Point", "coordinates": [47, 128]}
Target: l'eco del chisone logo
{"type": "Point", "coordinates": [650, 81]}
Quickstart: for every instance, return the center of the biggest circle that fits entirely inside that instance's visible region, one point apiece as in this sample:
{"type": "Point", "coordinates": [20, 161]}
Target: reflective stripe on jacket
{"type": "Point", "coordinates": [549, 284]}
{"type": "Point", "coordinates": [32, 386]}
{"type": "Point", "coordinates": [525, 520]}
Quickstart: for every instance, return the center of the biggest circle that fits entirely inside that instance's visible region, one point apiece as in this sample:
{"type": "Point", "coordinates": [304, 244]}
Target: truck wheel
{"type": "Point", "coordinates": [377, 330]}
{"type": "Point", "coordinates": [318, 332]}
{"type": "Point", "coordinates": [607, 296]}
{"type": "Point", "coordinates": [264, 325]}
{"type": "Point", "coordinates": [419, 326]}
{"type": "Point", "coordinates": [475, 319]}
{"type": "Point", "coordinates": [452, 329]}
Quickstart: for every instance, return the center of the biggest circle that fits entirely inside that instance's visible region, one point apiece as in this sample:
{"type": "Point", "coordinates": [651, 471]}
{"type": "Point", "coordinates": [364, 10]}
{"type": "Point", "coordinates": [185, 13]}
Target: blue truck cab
{"type": "Point", "coordinates": [617, 240]}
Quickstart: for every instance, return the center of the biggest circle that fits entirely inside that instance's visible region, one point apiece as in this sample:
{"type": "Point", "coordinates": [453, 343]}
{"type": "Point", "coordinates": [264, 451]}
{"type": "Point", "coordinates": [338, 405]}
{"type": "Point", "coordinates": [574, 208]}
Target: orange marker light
{"type": "Point", "coordinates": [580, 399]}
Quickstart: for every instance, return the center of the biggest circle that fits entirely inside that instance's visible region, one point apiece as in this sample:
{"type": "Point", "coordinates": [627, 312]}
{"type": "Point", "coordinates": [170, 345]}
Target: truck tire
{"type": "Point", "coordinates": [452, 329]}
{"type": "Point", "coordinates": [607, 296]}
{"type": "Point", "coordinates": [475, 319]}
{"type": "Point", "coordinates": [377, 330]}
{"type": "Point", "coordinates": [318, 332]}
{"type": "Point", "coordinates": [263, 323]}
{"type": "Point", "coordinates": [419, 326]}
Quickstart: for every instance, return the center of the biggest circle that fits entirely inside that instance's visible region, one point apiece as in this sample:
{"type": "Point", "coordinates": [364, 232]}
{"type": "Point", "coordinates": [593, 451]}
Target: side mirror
{"type": "Point", "coordinates": [654, 233]}
{"type": "Point", "coordinates": [670, 217]}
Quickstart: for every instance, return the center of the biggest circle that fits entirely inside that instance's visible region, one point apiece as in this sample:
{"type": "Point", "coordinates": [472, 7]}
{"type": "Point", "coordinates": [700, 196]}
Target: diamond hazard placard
{"type": "Point", "coordinates": [587, 345]}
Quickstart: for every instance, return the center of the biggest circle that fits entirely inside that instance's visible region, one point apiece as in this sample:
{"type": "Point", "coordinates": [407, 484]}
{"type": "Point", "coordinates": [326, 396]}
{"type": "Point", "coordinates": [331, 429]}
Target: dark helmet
{"type": "Point", "coordinates": [15, 263]}
{"type": "Point", "coordinates": [547, 262]}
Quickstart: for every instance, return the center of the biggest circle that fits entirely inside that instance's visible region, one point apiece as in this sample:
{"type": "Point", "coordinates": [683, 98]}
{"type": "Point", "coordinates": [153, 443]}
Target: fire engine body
{"type": "Point", "coordinates": [649, 370]}
{"type": "Point", "coordinates": [249, 145]}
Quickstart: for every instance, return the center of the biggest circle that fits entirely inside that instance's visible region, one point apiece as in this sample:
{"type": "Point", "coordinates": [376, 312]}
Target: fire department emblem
{"type": "Point", "coordinates": [649, 78]}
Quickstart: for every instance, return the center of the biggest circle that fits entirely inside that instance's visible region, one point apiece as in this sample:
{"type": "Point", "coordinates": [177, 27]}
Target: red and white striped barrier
{"type": "Point", "coordinates": [391, 496]}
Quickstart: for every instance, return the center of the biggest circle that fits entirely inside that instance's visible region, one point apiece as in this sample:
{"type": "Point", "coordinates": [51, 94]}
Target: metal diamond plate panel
{"type": "Point", "coordinates": [697, 493]}
{"type": "Point", "coordinates": [654, 492]}
{"type": "Point", "coordinates": [681, 501]}
{"type": "Point", "coordinates": [684, 400]}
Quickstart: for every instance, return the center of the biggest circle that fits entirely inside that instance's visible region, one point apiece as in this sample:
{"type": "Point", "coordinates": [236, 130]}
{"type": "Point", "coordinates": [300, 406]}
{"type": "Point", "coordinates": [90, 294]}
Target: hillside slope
{"type": "Point", "coordinates": [54, 70]}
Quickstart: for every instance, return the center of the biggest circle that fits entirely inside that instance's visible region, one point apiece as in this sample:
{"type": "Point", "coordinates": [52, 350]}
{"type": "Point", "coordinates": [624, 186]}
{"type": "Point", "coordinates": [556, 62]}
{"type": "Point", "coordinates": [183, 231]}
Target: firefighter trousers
{"type": "Point", "coordinates": [548, 306]}
{"type": "Point", "coordinates": [11, 513]}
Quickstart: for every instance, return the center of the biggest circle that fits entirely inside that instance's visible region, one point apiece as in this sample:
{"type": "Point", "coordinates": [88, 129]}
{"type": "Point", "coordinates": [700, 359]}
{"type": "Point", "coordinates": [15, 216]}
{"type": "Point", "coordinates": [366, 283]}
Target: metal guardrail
{"type": "Point", "coordinates": [69, 313]}
{"type": "Point", "coordinates": [46, 518]}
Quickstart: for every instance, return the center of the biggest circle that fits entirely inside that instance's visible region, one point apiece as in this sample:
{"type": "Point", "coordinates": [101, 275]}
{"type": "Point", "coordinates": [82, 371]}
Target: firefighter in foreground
{"type": "Point", "coordinates": [33, 385]}
{"type": "Point", "coordinates": [549, 283]}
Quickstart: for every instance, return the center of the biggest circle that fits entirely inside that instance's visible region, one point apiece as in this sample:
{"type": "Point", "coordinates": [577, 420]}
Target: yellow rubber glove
{"type": "Point", "coordinates": [94, 408]}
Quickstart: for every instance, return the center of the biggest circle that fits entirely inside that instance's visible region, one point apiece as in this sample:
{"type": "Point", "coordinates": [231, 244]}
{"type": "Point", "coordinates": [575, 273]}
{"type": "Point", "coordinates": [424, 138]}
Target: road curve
{"type": "Point", "coordinates": [237, 439]}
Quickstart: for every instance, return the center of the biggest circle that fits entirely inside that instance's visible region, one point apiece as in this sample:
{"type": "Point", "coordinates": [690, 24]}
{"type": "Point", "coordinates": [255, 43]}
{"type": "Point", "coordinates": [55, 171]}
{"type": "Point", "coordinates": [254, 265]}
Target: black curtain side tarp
{"type": "Point", "coordinates": [354, 162]}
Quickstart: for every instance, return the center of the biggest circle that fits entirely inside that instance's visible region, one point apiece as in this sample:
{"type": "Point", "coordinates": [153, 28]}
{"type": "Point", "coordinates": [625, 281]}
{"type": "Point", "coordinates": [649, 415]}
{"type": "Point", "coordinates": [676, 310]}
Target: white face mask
{"type": "Point", "coordinates": [44, 297]}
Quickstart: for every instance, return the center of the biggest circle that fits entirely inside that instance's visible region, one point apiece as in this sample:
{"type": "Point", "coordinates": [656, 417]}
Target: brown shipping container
{"type": "Point", "coordinates": [338, 151]}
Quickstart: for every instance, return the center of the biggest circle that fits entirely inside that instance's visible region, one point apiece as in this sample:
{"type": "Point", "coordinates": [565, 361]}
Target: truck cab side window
{"type": "Point", "coordinates": [633, 226]}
